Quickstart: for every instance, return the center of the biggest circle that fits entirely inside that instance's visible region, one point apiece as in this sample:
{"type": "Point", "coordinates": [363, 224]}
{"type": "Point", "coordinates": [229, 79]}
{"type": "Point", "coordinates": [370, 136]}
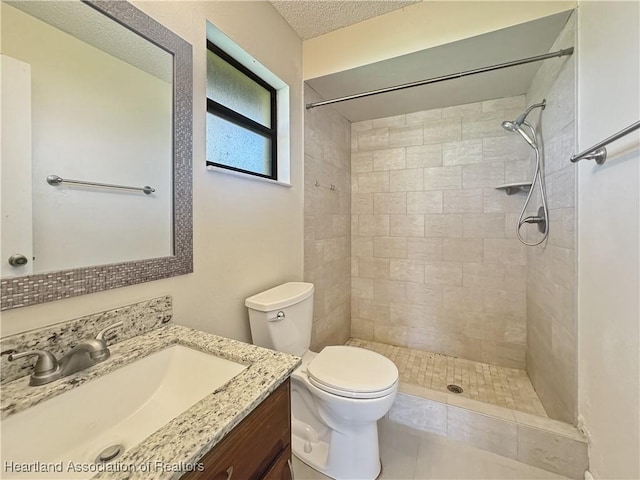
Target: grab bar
{"type": "Point", "coordinates": [56, 180]}
{"type": "Point", "coordinates": [598, 152]}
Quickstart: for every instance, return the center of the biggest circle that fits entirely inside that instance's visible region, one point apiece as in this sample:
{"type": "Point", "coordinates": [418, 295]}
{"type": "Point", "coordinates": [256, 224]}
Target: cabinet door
{"type": "Point", "coordinates": [282, 468]}
{"type": "Point", "coordinates": [253, 446]}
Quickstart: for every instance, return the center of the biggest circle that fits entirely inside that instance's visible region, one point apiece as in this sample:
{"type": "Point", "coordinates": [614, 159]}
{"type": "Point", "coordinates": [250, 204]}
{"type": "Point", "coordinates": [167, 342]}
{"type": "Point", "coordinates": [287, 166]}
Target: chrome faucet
{"type": "Point", "coordinates": [84, 355]}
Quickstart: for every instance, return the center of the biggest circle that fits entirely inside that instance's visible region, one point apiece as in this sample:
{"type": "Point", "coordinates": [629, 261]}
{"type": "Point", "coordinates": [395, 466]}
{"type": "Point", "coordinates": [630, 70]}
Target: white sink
{"type": "Point", "coordinates": [120, 408]}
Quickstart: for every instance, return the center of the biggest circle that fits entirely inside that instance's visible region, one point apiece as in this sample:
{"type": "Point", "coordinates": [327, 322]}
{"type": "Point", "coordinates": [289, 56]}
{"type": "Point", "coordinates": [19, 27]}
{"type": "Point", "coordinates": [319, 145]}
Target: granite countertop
{"type": "Point", "coordinates": [186, 438]}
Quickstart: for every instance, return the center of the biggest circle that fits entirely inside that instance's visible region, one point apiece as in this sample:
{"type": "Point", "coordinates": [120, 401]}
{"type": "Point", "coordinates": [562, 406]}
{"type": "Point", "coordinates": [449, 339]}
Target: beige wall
{"type": "Point", "coordinates": [414, 28]}
{"type": "Point", "coordinates": [435, 261]}
{"type": "Point", "coordinates": [552, 347]}
{"type": "Point", "coordinates": [327, 234]}
{"type": "Point", "coordinates": [608, 237]}
{"type": "Point", "coordinates": [248, 234]}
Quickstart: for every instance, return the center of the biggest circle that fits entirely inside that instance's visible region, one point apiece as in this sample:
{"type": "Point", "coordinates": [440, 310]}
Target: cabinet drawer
{"type": "Point", "coordinates": [253, 446]}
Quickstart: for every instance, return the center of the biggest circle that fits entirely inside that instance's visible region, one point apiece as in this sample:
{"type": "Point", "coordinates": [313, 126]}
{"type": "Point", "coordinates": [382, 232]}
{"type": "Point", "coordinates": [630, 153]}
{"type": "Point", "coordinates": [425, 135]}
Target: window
{"type": "Point", "coordinates": [241, 117]}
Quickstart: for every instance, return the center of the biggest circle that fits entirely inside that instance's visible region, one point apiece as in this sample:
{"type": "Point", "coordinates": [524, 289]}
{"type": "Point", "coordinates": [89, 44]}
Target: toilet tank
{"type": "Point", "coordinates": [281, 317]}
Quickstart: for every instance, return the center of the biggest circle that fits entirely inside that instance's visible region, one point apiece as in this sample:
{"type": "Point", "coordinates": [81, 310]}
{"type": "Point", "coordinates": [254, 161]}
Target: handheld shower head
{"type": "Point", "coordinates": [516, 125]}
{"type": "Point", "coordinates": [509, 126]}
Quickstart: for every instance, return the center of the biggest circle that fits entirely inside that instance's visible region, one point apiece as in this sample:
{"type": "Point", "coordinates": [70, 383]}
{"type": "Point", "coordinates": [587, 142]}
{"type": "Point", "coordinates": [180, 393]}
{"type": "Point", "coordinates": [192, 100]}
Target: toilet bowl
{"type": "Point", "coordinates": [337, 395]}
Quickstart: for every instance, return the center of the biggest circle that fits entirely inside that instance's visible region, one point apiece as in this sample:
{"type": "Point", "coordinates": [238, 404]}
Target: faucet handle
{"type": "Point", "coordinates": [45, 365]}
{"type": "Point", "coordinates": [106, 330]}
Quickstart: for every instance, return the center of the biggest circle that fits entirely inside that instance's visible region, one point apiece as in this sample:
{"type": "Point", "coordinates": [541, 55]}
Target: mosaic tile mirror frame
{"type": "Point", "coordinates": [39, 288]}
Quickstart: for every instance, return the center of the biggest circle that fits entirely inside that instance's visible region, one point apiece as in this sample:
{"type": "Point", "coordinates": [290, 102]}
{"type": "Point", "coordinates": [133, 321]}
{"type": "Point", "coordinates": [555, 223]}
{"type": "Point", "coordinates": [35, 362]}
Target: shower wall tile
{"type": "Point", "coordinates": [435, 237]}
{"type": "Point", "coordinates": [484, 125]}
{"type": "Point", "coordinates": [361, 328]}
{"type": "Point", "coordinates": [483, 176]}
{"type": "Point", "coordinates": [328, 219]}
{"type": "Point", "coordinates": [443, 273]}
{"type": "Point", "coordinates": [487, 225]}
{"type": "Point", "coordinates": [424, 202]}
{"type": "Point", "coordinates": [551, 276]}
{"type": "Point", "coordinates": [497, 202]}
{"type": "Point", "coordinates": [362, 203]}
{"type": "Point", "coordinates": [462, 153]}
{"type": "Point", "coordinates": [371, 225]}
{"type": "Point", "coordinates": [442, 131]}
{"type": "Point", "coordinates": [444, 178]}
{"type": "Point", "coordinates": [407, 226]}
{"type": "Point", "coordinates": [406, 270]}
{"type": "Point", "coordinates": [444, 225]}
{"type": "Point", "coordinates": [406, 136]}
{"type": "Point", "coordinates": [424, 248]}
{"type": "Point", "coordinates": [462, 250]}
{"type": "Point", "coordinates": [408, 180]}
{"type": "Point", "coordinates": [505, 252]}
{"type": "Point", "coordinates": [388, 203]}
{"type": "Point", "coordinates": [388, 121]}
{"type": "Point", "coordinates": [372, 267]}
{"type": "Point", "coordinates": [391, 159]}
{"type": "Point", "coordinates": [373, 139]}
{"type": "Point", "coordinates": [373, 182]}
{"type": "Point", "coordinates": [463, 201]}
{"type": "Point", "coordinates": [458, 111]}
{"type": "Point", "coordinates": [389, 247]}
{"type": "Point", "coordinates": [424, 116]}
{"type": "Point", "coordinates": [361, 162]}
{"type": "Point", "coordinates": [508, 148]}
{"type": "Point", "coordinates": [424, 156]}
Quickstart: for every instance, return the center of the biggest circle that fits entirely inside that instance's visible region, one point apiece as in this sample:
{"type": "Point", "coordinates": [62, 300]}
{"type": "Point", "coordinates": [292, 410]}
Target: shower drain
{"type": "Point", "coordinates": [454, 388]}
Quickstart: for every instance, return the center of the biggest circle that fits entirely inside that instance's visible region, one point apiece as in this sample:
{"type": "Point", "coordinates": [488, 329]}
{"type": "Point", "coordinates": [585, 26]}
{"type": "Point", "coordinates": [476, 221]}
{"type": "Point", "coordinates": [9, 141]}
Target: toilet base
{"type": "Point", "coordinates": [342, 457]}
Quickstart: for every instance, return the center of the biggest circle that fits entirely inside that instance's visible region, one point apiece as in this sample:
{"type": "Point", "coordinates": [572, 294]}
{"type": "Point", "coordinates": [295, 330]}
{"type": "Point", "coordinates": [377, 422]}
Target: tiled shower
{"type": "Point", "coordinates": [436, 268]}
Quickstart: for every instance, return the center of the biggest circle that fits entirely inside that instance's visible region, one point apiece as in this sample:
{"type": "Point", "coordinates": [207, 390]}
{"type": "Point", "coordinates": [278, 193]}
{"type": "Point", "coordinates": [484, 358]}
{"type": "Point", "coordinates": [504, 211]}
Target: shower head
{"type": "Point", "coordinates": [516, 125]}
{"type": "Point", "coordinates": [510, 126]}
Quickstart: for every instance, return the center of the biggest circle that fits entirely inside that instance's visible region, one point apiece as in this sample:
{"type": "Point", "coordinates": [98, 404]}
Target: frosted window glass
{"type": "Point", "coordinates": [233, 89]}
{"type": "Point", "coordinates": [232, 145]}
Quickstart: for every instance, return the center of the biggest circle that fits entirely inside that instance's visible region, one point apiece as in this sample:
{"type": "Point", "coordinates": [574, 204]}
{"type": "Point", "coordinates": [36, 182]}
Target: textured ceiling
{"type": "Point", "coordinates": [312, 18]}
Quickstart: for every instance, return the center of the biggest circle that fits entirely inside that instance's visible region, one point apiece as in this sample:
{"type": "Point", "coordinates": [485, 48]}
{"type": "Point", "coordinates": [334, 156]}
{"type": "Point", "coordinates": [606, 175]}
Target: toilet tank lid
{"type": "Point", "coordinates": [281, 296]}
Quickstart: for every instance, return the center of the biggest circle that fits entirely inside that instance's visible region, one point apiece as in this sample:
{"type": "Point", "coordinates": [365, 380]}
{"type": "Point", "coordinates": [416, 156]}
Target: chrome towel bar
{"type": "Point", "coordinates": [56, 180]}
{"type": "Point", "coordinates": [598, 152]}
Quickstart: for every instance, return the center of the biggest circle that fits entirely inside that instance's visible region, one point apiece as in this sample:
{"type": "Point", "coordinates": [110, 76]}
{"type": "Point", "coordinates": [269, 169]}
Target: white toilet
{"type": "Point", "coordinates": [337, 395]}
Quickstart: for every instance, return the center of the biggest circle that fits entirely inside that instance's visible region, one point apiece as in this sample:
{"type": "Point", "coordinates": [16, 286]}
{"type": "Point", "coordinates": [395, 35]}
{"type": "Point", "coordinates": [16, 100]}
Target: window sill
{"type": "Point", "coordinates": [247, 176]}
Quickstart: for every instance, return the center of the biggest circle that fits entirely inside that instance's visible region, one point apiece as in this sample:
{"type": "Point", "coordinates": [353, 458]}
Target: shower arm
{"type": "Point", "coordinates": [521, 119]}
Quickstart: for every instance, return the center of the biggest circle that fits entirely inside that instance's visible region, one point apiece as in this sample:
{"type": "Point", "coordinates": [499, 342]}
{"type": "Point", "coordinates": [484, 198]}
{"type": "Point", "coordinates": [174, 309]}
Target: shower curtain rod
{"type": "Point", "coordinates": [537, 58]}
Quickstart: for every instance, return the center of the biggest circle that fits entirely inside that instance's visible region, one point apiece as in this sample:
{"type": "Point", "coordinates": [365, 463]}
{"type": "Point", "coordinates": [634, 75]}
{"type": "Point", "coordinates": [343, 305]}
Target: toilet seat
{"type": "Point", "coordinates": [353, 372]}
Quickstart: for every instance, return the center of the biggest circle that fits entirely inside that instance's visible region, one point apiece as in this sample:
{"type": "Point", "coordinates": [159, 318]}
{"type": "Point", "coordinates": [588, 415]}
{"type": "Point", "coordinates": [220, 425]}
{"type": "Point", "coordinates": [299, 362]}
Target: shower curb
{"type": "Point", "coordinates": [537, 441]}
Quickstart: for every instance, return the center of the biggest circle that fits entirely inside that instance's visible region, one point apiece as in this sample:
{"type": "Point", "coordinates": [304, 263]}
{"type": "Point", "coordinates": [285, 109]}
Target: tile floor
{"type": "Point", "coordinates": [409, 454]}
{"type": "Point", "coordinates": [505, 387]}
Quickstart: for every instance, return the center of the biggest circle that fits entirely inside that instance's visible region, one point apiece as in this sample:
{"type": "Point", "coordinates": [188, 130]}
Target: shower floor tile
{"type": "Point", "coordinates": [501, 386]}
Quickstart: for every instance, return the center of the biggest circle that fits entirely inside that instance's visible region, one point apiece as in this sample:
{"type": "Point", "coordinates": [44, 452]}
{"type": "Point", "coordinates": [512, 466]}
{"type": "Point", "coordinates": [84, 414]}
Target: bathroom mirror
{"type": "Point", "coordinates": [96, 150]}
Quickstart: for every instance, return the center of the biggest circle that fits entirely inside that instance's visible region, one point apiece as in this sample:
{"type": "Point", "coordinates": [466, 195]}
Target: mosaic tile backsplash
{"type": "Point", "coordinates": [138, 318]}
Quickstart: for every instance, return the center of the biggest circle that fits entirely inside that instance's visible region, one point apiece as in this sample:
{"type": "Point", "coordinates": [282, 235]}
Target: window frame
{"type": "Point", "coordinates": [240, 120]}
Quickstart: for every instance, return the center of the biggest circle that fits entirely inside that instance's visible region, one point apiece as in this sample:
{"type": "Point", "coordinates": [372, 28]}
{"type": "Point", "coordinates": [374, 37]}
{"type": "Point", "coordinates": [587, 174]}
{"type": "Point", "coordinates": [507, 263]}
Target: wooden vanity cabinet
{"type": "Point", "coordinates": [259, 447]}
